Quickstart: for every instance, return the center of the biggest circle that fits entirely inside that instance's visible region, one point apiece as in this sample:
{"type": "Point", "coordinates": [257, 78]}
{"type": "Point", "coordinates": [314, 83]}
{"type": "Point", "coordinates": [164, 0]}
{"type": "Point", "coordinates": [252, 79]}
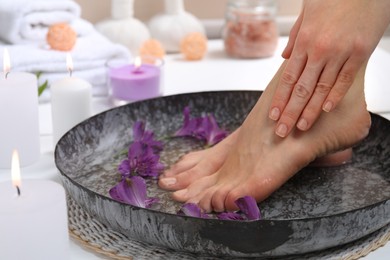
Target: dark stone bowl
{"type": "Point", "coordinates": [318, 208]}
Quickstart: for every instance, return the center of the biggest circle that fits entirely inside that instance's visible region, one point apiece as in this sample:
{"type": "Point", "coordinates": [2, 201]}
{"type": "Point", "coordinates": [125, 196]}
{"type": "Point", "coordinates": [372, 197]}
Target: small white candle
{"type": "Point", "coordinates": [19, 120]}
{"type": "Point", "coordinates": [33, 224]}
{"type": "Point", "coordinates": [70, 102]}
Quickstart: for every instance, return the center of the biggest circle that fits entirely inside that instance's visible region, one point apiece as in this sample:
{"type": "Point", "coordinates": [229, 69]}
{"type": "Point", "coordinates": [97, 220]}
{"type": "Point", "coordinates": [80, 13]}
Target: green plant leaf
{"type": "Point", "coordinates": [42, 87]}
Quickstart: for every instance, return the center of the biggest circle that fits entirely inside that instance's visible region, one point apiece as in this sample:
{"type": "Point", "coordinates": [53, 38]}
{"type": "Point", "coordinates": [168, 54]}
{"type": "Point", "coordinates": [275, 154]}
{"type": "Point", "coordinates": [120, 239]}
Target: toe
{"type": "Point", "coordinates": [230, 199]}
{"type": "Point", "coordinates": [180, 195]}
{"type": "Point", "coordinates": [259, 187]}
{"type": "Point", "coordinates": [218, 199]}
{"type": "Point", "coordinates": [186, 178]}
{"type": "Point", "coordinates": [185, 163]}
{"type": "Point", "coordinates": [194, 189]}
{"type": "Point", "coordinates": [205, 201]}
{"type": "Point", "coordinates": [167, 182]}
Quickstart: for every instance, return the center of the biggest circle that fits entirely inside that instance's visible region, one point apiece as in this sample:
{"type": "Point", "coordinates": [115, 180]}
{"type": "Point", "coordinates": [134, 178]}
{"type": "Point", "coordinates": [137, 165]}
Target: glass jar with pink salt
{"type": "Point", "coordinates": [250, 29]}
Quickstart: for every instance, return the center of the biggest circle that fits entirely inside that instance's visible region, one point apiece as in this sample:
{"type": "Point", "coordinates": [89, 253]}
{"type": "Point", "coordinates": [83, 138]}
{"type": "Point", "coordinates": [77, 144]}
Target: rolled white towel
{"type": "Point", "coordinates": [90, 56]}
{"type": "Point", "coordinates": [24, 21]}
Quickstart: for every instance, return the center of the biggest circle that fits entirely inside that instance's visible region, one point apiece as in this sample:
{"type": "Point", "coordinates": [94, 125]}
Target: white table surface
{"type": "Point", "coordinates": [215, 72]}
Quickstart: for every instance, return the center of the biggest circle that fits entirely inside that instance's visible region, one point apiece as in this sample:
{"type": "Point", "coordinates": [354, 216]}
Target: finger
{"type": "Point", "coordinates": [300, 97]}
{"type": "Point", "coordinates": [343, 82]}
{"type": "Point", "coordinates": [292, 37]}
{"type": "Point", "coordinates": [314, 107]}
{"type": "Point", "coordinates": [288, 79]}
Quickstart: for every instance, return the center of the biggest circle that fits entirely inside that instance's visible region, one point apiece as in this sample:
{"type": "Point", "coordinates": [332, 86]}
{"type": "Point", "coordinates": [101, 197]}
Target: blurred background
{"type": "Point", "coordinates": [210, 12]}
{"type": "Point", "coordinates": [203, 9]}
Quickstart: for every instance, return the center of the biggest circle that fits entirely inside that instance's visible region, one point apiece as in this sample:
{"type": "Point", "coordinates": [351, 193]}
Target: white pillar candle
{"type": "Point", "coordinates": [19, 120]}
{"type": "Point", "coordinates": [70, 103]}
{"type": "Point", "coordinates": [33, 224]}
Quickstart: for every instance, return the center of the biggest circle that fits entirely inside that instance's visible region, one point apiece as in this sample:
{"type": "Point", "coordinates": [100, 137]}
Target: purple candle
{"type": "Point", "coordinates": [135, 82]}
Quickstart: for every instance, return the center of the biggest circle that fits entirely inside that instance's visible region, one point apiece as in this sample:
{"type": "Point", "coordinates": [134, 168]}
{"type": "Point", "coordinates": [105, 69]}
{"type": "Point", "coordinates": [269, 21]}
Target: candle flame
{"type": "Point", "coordinates": [15, 170]}
{"type": "Point", "coordinates": [69, 63]}
{"type": "Point", "coordinates": [6, 61]}
{"type": "Point", "coordinates": [137, 62]}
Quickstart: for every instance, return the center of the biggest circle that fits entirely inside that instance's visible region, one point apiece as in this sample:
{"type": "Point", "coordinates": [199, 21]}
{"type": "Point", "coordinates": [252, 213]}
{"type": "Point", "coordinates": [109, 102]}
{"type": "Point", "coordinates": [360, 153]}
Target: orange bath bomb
{"type": "Point", "coordinates": [61, 37]}
{"type": "Point", "coordinates": [153, 48]}
{"type": "Point", "coordinates": [193, 46]}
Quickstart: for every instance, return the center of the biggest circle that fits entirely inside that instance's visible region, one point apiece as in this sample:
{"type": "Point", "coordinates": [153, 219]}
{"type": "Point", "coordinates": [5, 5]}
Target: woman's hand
{"type": "Point", "coordinates": [328, 44]}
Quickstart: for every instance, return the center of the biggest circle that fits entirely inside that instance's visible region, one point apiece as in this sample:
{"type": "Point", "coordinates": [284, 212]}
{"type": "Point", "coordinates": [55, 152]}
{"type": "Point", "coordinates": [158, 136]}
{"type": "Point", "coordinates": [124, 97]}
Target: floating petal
{"type": "Point", "coordinates": [146, 137]}
{"type": "Point", "coordinates": [142, 161]}
{"type": "Point", "coordinates": [124, 168]}
{"type": "Point", "coordinates": [248, 206]}
{"type": "Point", "coordinates": [188, 125]}
{"type": "Point", "coordinates": [132, 191]}
{"type": "Point", "coordinates": [192, 210]}
{"type": "Point", "coordinates": [203, 128]}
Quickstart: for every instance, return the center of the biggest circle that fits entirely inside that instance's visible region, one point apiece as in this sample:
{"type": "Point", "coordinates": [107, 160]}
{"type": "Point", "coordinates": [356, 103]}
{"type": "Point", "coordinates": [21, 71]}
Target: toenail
{"type": "Point", "coordinates": [328, 106]}
{"type": "Point", "coordinates": [302, 124]}
{"type": "Point", "coordinates": [281, 130]}
{"type": "Point", "coordinates": [274, 114]}
{"type": "Point", "coordinates": [168, 181]}
{"type": "Point", "coordinates": [181, 193]}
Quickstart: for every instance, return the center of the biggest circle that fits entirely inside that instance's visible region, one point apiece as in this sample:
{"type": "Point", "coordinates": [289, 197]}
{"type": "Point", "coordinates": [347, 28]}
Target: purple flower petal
{"type": "Point", "coordinates": [203, 128]}
{"type": "Point", "coordinates": [188, 125]}
{"type": "Point", "coordinates": [230, 216]}
{"type": "Point", "coordinates": [132, 191]}
{"type": "Point", "coordinates": [124, 168]}
{"type": "Point", "coordinates": [150, 201]}
{"type": "Point", "coordinates": [146, 137]}
{"type": "Point", "coordinates": [141, 161]}
{"type": "Point", "coordinates": [192, 210]}
{"type": "Point", "coordinates": [138, 130]}
{"type": "Point", "coordinates": [248, 206]}
{"type": "Point", "coordinates": [213, 133]}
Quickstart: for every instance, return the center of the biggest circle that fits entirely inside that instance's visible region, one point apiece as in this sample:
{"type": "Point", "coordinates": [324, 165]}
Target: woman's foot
{"type": "Point", "coordinates": [197, 164]}
{"type": "Point", "coordinates": [257, 161]}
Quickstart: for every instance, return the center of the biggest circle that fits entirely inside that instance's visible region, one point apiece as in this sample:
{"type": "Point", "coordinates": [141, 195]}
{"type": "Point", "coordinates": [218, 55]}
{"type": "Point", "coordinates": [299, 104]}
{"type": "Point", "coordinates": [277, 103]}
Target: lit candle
{"type": "Point", "coordinates": [136, 81]}
{"type": "Point", "coordinates": [19, 120]}
{"type": "Point", "coordinates": [33, 218]}
{"type": "Point", "coordinates": [70, 102]}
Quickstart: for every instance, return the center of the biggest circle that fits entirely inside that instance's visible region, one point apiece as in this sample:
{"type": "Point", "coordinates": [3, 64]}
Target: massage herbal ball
{"type": "Point", "coordinates": [153, 48]}
{"type": "Point", "coordinates": [61, 37]}
{"type": "Point", "coordinates": [174, 23]}
{"type": "Point", "coordinates": [193, 46]}
{"type": "Point", "coordinates": [122, 27]}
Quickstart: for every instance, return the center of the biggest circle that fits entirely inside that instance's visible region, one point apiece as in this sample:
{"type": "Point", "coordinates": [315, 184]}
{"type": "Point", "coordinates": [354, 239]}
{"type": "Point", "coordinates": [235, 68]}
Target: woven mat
{"type": "Point", "coordinates": [95, 236]}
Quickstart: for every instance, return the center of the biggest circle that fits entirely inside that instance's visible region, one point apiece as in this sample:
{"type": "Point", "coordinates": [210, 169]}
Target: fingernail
{"type": "Point", "coordinates": [181, 193]}
{"type": "Point", "coordinates": [281, 130]}
{"type": "Point", "coordinates": [168, 181]}
{"type": "Point", "coordinates": [302, 124]}
{"type": "Point", "coordinates": [328, 106]}
{"type": "Point", "coordinates": [274, 113]}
